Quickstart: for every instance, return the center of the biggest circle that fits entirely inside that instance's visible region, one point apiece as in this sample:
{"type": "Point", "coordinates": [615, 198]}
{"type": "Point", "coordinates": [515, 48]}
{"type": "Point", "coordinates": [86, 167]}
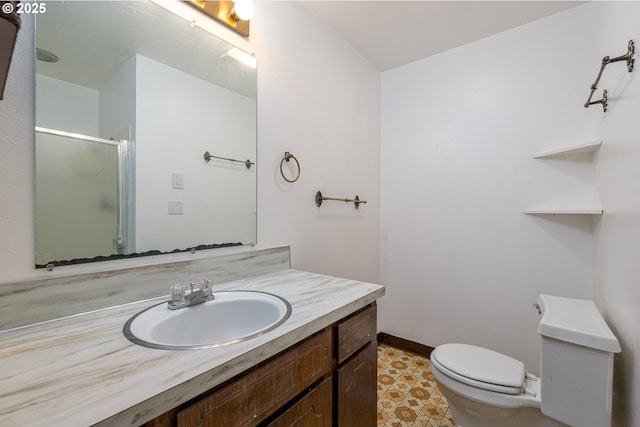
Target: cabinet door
{"type": "Point", "coordinates": [357, 389]}
{"type": "Point", "coordinates": [314, 410]}
{"type": "Point", "coordinates": [255, 396]}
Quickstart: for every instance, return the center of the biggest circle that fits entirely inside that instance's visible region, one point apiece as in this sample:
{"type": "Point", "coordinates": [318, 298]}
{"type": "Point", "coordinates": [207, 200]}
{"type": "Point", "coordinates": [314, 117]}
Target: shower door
{"type": "Point", "coordinates": [81, 178]}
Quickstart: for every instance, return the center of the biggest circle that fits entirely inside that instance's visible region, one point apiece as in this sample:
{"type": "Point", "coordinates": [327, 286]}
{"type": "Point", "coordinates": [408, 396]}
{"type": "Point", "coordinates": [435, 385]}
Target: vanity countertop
{"type": "Point", "coordinates": [81, 370]}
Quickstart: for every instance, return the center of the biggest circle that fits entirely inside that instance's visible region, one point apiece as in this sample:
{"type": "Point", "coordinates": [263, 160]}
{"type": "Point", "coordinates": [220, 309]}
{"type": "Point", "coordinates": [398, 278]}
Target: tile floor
{"type": "Point", "coordinates": [407, 392]}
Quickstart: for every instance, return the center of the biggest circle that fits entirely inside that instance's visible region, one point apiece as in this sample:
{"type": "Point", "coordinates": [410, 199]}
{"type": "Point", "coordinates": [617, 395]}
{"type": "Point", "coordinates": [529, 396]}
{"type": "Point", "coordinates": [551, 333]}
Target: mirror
{"type": "Point", "coordinates": [129, 97]}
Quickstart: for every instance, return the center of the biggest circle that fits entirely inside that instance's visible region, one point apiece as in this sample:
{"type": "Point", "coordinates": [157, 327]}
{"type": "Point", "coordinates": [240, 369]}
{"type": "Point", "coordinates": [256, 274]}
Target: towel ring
{"type": "Point", "coordinates": [287, 157]}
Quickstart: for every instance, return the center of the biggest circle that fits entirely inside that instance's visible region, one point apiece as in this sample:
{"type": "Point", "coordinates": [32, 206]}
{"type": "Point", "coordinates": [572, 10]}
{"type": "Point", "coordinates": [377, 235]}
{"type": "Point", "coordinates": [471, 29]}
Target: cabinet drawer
{"type": "Point", "coordinates": [356, 332]}
{"type": "Point", "coordinates": [314, 410]}
{"type": "Point", "coordinates": [255, 396]}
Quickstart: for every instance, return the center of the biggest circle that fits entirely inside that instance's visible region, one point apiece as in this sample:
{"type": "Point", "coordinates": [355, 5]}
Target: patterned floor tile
{"type": "Point", "coordinates": [407, 392]}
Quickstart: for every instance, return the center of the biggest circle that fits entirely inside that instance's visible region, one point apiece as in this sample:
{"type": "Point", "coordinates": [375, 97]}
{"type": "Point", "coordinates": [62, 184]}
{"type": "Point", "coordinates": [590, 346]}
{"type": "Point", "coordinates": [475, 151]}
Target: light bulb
{"type": "Point", "coordinates": [244, 9]}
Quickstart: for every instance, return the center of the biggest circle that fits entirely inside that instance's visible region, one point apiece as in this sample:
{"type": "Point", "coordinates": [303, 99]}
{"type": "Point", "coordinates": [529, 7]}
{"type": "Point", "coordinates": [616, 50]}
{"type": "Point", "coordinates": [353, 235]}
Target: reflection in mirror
{"type": "Point", "coordinates": [129, 97]}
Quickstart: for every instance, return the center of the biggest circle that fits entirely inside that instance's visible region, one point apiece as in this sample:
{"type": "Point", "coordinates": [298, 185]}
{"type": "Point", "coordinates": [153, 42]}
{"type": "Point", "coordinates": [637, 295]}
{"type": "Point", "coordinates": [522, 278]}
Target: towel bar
{"type": "Point", "coordinates": [320, 198]}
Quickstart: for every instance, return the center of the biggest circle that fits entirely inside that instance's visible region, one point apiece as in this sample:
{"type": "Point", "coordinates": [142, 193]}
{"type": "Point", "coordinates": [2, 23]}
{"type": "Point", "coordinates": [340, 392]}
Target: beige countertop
{"type": "Point", "coordinates": [81, 370]}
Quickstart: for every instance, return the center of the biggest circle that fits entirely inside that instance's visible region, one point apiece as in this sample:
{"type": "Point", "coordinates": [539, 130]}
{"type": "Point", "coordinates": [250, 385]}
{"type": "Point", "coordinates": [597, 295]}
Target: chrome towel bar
{"type": "Point", "coordinates": [207, 157]}
{"type": "Point", "coordinates": [320, 198]}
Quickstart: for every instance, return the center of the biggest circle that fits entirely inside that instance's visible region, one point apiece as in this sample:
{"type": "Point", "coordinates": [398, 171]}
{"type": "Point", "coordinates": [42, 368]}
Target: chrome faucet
{"type": "Point", "coordinates": [178, 298]}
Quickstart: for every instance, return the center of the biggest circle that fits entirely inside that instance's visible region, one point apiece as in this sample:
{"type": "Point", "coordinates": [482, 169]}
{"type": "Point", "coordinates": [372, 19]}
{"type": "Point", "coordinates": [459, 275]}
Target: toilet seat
{"type": "Point", "coordinates": [480, 367]}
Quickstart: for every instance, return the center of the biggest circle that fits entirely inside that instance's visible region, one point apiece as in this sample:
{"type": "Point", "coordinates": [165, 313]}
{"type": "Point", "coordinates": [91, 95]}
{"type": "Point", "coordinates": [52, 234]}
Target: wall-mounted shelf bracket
{"type": "Point", "coordinates": [604, 101]}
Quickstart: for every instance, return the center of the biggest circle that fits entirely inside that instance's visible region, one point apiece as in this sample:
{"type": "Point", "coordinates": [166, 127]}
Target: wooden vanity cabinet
{"type": "Point", "coordinates": [327, 380]}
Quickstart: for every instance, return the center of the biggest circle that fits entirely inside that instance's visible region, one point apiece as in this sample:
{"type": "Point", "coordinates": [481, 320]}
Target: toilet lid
{"type": "Point", "coordinates": [480, 367]}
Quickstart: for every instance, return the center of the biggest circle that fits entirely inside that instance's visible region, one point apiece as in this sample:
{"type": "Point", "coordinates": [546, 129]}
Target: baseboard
{"type": "Point", "coordinates": [406, 345]}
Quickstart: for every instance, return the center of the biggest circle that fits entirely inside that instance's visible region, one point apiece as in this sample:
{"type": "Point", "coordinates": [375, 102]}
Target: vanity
{"type": "Point", "coordinates": [328, 379]}
{"type": "Point", "coordinates": [317, 368]}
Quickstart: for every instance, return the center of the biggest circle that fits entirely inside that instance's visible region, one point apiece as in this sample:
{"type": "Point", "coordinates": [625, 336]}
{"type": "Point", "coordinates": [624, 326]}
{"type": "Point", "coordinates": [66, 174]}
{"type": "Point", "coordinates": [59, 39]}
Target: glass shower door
{"type": "Point", "coordinates": [77, 182]}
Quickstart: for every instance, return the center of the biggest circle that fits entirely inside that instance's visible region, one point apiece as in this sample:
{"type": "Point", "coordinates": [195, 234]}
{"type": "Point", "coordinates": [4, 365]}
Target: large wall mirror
{"type": "Point", "coordinates": [129, 97]}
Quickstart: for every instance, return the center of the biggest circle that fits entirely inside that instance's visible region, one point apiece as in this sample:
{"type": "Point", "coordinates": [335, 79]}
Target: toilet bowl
{"type": "Point", "coordinates": [485, 388]}
{"type": "Point", "coordinates": [498, 393]}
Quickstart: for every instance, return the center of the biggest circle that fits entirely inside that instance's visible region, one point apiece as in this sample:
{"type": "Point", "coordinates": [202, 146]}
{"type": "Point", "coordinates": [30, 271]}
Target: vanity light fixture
{"type": "Point", "coordinates": [234, 14]}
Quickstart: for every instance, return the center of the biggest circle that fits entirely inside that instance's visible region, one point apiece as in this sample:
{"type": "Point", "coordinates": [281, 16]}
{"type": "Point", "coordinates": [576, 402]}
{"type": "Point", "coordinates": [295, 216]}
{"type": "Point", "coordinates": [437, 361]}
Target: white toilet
{"type": "Point", "coordinates": [488, 389]}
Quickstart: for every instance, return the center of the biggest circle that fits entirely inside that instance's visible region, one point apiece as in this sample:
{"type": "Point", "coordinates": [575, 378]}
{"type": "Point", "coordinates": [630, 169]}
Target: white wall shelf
{"type": "Point", "coordinates": [587, 147]}
{"type": "Point", "coordinates": [554, 211]}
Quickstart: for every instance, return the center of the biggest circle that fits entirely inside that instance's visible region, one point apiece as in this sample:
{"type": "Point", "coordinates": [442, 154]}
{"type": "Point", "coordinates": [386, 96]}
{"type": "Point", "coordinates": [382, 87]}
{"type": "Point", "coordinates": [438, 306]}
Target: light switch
{"type": "Point", "coordinates": [176, 207]}
{"type": "Point", "coordinates": [177, 178]}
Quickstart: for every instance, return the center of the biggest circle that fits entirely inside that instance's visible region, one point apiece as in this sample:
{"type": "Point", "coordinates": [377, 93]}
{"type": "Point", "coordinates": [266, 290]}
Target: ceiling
{"type": "Point", "coordinates": [394, 33]}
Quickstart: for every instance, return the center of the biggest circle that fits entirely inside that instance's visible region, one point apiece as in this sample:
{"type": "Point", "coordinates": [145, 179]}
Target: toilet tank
{"type": "Point", "coordinates": [576, 362]}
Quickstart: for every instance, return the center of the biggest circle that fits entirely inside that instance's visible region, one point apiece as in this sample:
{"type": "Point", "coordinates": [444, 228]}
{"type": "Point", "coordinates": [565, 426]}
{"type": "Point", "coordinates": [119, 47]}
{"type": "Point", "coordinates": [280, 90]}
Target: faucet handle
{"type": "Point", "coordinates": [177, 292]}
{"type": "Point", "coordinates": [205, 285]}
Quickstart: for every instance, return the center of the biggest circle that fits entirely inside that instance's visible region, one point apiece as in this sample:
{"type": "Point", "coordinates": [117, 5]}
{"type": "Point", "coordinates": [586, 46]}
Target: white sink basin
{"type": "Point", "coordinates": [232, 316]}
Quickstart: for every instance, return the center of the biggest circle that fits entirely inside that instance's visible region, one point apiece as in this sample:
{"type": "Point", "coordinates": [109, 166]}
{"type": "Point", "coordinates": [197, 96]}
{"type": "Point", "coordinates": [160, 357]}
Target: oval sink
{"type": "Point", "coordinates": [232, 316]}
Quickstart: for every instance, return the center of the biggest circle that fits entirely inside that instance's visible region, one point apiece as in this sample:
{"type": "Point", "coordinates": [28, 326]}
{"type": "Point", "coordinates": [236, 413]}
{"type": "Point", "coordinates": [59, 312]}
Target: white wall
{"type": "Point", "coordinates": [462, 262]}
{"type": "Point", "coordinates": [617, 247]}
{"type": "Point", "coordinates": [67, 106]}
{"type": "Point", "coordinates": [319, 100]}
